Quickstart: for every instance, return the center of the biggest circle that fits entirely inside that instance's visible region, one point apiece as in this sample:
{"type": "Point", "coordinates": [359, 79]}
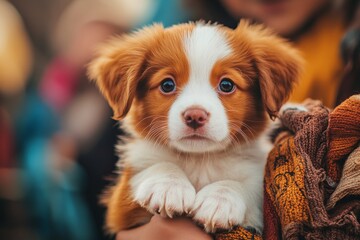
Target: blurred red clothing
{"type": "Point", "coordinates": [59, 84]}
{"type": "Point", "coordinates": [6, 143]}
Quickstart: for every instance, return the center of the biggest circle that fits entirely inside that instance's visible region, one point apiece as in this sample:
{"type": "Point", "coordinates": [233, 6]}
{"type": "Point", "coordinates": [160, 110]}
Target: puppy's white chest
{"type": "Point", "coordinates": [202, 172]}
{"type": "Point", "coordinates": [242, 165]}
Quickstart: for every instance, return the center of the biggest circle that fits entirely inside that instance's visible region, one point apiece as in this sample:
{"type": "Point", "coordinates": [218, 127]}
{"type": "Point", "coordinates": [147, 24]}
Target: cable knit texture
{"type": "Point", "coordinates": [312, 176]}
{"type": "Point", "coordinates": [344, 134]}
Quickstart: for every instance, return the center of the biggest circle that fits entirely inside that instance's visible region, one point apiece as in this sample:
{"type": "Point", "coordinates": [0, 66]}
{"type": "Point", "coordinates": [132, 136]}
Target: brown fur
{"type": "Point", "coordinates": [123, 212]}
{"type": "Point", "coordinates": [119, 67]}
{"type": "Point", "coordinates": [277, 64]}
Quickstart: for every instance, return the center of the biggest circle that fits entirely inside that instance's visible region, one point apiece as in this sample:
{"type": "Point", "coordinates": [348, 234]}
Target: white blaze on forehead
{"type": "Point", "coordinates": [203, 46]}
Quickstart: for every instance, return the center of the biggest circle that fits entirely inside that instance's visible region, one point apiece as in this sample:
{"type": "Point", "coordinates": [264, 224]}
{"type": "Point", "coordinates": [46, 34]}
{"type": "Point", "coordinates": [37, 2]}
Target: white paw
{"type": "Point", "coordinates": [166, 196]}
{"type": "Point", "coordinates": [292, 106]}
{"type": "Point", "coordinates": [218, 208]}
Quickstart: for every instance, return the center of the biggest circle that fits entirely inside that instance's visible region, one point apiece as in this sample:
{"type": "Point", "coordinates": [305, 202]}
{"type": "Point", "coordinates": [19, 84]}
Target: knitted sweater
{"type": "Point", "coordinates": [312, 176]}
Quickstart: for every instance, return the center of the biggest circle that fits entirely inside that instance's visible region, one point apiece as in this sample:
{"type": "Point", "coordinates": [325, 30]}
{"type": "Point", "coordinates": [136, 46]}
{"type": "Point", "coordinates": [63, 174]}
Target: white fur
{"type": "Point", "coordinates": [228, 182]}
{"type": "Point", "coordinates": [174, 192]}
{"type": "Point", "coordinates": [220, 188]}
{"type": "Point", "coordinates": [203, 47]}
{"type": "Point", "coordinates": [293, 106]}
{"type": "Point", "coordinates": [221, 205]}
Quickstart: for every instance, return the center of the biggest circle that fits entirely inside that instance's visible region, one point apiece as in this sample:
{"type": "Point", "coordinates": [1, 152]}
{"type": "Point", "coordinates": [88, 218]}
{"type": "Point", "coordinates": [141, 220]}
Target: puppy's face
{"type": "Point", "coordinates": [196, 87]}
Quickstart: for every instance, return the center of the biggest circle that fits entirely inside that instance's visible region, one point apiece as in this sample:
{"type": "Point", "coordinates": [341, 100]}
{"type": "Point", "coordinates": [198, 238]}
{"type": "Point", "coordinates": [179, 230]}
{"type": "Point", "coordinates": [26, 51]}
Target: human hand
{"type": "Point", "coordinates": [160, 228]}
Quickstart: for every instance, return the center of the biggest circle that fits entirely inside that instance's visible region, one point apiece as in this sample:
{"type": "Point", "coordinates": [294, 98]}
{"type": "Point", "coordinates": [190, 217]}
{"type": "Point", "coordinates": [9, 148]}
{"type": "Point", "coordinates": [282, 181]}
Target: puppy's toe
{"type": "Point", "coordinates": [218, 211]}
{"type": "Point", "coordinates": [293, 106]}
{"type": "Point", "coordinates": [167, 198]}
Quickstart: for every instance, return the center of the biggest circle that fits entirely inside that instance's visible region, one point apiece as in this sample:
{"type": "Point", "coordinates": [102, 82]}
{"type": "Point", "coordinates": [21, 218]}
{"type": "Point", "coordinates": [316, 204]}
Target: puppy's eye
{"type": "Point", "coordinates": [226, 85]}
{"type": "Point", "coordinates": [167, 85]}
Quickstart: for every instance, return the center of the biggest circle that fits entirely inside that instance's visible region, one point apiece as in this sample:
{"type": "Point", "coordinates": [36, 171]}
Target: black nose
{"type": "Point", "coordinates": [195, 117]}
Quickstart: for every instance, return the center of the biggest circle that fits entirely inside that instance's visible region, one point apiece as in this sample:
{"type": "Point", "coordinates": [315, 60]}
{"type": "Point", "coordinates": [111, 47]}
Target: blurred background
{"type": "Point", "coordinates": [56, 134]}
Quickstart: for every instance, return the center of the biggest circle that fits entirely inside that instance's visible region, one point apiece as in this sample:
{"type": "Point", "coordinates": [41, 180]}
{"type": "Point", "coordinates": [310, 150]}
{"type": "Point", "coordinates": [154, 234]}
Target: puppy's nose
{"type": "Point", "coordinates": [195, 117]}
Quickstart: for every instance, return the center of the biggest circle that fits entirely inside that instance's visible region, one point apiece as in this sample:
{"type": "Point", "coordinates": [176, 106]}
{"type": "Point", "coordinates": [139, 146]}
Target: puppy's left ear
{"type": "Point", "coordinates": [119, 66]}
{"type": "Point", "coordinates": [278, 65]}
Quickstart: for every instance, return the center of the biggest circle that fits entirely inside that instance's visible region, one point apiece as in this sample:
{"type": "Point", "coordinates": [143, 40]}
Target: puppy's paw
{"type": "Point", "coordinates": [293, 106]}
{"type": "Point", "coordinates": [168, 197]}
{"type": "Point", "coordinates": [218, 208]}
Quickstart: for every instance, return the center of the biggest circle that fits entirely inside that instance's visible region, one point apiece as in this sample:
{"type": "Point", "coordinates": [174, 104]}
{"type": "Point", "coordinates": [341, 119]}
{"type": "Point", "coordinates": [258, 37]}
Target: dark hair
{"type": "Point", "coordinates": [350, 9]}
{"type": "Point", "coordinates": [212, 10]}
{"type": "Point", "coordinates": [350, 52]}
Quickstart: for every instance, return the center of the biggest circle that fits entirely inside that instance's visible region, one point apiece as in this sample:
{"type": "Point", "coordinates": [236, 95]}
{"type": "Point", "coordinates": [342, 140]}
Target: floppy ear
{"type": "Point", "coordinates": [119, 66]}
{"type": "Point", "coordinates": [278, 65]}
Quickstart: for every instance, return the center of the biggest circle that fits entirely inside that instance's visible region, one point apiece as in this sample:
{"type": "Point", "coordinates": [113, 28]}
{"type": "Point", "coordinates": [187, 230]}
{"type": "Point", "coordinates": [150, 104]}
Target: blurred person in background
{"type": "Point", "coordinates": [350, 52]}
{"type": "Point", "coordinates": [16, 62]}
{"type": "Point", "coordinates": [317, 28]}
{"type": "Point", "coordinates": [66, 141]}
{"type": "Point", "coordinates": [16, 53]}
{"type": "Point", "coordinates": [86, 126]}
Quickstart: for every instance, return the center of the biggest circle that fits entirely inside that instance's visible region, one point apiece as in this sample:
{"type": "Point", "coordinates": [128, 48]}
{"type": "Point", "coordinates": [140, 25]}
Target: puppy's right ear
{"type": "Point", "coordinates": [278, 64]}
{"type": "Point", "coordinates": [119, 67]}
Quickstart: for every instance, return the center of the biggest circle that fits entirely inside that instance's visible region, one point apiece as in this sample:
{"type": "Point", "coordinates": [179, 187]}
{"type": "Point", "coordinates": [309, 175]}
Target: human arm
{"type": "Point", "coordinates": [160, 228]}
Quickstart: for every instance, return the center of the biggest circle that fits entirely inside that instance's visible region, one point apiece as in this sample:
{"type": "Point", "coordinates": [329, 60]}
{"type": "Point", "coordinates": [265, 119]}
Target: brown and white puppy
{"type": "Point", "coordinates": [195, 98]}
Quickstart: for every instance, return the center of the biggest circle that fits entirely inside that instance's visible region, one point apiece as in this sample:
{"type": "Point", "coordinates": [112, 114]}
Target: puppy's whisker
{"type": "Point", "coordinates": [249, 129]}
{"type": "Point", "coordinates": [152, 116]}
{"type": "Point", "coordinates": [244, 125]}
{"type": "Point", "coordinates": [256, 121]}
{"type": "Point", "coordinates": [156, 134]}
{"type": "Point", "coordinates": [150, 125]}
{"type": "Point", "coordinates": [245, 137]}
{"type": "Point", "coordinates": [234, 139]}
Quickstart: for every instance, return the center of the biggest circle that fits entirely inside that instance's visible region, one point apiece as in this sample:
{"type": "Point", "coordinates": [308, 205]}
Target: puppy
{"type": "Point", "coordinates": [196, 99]}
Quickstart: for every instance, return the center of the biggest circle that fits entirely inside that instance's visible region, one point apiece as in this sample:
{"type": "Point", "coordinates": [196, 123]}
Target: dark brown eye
{"type": "Point", "coordinates": [168, 85]}
{"type": "Point", "coordinates": [226, 85]}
